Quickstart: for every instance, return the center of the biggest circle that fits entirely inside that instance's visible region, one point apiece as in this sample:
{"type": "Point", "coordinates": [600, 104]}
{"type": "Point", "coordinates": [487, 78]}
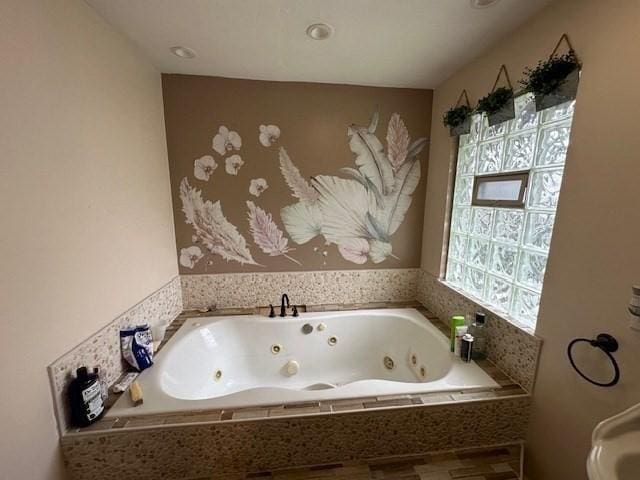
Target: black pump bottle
{"type": "Point", "coordinates": [85, 398]}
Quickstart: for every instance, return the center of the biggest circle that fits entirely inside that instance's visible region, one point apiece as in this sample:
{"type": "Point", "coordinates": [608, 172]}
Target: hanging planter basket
{"type": "Point", "coordinates": [458, 118]}
{"type": "Point", "coordinates": [498, 105]}
{"type": "Point", "coordinates": [555, 80]}
{"type": "Point", "coordinates": [565, 92]}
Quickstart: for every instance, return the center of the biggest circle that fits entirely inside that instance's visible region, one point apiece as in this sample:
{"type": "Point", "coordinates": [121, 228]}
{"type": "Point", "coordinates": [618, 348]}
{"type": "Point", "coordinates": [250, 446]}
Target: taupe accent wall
{"type": "Point", "coordinates": [313, 122]}
{"type": "Point", "coordinates": [594, 257]}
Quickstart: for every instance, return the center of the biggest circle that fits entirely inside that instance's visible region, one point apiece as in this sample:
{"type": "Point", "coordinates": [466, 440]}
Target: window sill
{"type": "Point", "coordinates": [490, 309]}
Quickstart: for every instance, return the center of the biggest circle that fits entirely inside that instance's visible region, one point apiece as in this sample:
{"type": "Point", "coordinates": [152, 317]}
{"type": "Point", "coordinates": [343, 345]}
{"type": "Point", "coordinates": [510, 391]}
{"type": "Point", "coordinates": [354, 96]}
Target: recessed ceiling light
{"type": "Point", "coordinates": [483, 3]}
{"type": "Point", "coordinates": [319, 31]}
{"type": "Point", "coordinates": [183, 52]}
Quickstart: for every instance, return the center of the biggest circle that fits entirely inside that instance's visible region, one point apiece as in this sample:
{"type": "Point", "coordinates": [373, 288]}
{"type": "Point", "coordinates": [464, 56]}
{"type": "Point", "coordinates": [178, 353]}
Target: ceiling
{"type": "Point", "coordinates": [398, 43]}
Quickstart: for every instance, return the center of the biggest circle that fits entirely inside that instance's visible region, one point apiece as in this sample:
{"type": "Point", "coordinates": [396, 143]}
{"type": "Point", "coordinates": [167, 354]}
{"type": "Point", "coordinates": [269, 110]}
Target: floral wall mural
{"type": "Point", "coordinates": [316, 186]}
{"type": "Point", "coordinates": [359, 213]}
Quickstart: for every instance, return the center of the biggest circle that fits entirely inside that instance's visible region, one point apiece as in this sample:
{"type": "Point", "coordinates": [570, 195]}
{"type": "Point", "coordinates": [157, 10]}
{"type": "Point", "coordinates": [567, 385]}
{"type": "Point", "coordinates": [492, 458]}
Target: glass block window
{"type": "Point", "coordinates": [498, 254]}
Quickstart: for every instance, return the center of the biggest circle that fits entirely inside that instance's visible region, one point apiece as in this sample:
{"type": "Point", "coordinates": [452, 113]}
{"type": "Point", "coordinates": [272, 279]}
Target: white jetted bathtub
{"type": "Point", "coordinates": [250, 360]}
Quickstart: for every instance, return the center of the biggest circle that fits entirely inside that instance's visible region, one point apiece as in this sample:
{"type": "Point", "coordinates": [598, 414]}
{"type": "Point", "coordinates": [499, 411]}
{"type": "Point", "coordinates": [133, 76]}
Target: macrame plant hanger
{"type": "Point", "coordinates": [564, 37]}
{"type": "Point", "coordinates": [503, 70]}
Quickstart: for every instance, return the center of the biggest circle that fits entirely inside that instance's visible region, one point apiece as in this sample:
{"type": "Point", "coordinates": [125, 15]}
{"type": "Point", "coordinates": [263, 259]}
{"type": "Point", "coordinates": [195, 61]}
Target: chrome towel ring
{"type": "Point", "coordinates": [608, 345]}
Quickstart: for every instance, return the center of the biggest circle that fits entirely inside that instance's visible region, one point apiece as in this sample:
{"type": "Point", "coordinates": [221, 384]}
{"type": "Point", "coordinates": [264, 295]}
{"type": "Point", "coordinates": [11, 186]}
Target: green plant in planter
{"type": "Point", "coordinates": [495, 101]}
{"type": "Point", "coordinates": [557, 76]}
{"type": "Point", "coordinates": [456, 116]}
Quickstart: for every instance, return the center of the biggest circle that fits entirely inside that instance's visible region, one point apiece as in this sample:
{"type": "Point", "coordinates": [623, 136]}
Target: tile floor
{"type": "Point", "coordinates": [501, 463]}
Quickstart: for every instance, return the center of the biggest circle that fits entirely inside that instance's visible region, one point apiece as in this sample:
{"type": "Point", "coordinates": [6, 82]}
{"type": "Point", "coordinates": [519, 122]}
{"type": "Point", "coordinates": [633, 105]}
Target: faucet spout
{"type": "Point", "coordinates": [283, 308]}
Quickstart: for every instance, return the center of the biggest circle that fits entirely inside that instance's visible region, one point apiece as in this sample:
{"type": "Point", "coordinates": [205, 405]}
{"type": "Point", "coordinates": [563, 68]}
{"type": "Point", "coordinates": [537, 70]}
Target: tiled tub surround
{"type": "Point", "coordinates": [207, 447]}
{"type": "Point", "coordinates": [103, 348]}
{"type": "Point", "coordinates": [284, 436]}
{"type": "Point", "coordinates": [310, 288]}
{"type": "Point", "coordinates": [216, 442]}
{"type": "Point", "coordinates": [513, 349]}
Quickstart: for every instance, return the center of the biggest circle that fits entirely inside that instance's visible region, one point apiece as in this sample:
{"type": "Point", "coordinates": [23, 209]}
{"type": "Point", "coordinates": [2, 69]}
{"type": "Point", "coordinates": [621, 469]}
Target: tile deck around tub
{"type": "Point", "coordinates": [514, 349]}
{"type": "Point", "coordinates": [496, 463]}
{"type": "Point", "coordinates": [233, 449]}
{"type": "Point", "coordinates": [507, 388]}
{"type": "Point", "coordinates": [102, 349]}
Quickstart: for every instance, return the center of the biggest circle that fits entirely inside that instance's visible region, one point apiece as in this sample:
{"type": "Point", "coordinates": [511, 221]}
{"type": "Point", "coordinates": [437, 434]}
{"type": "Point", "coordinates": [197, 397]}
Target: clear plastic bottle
{"type": "Point", "coordinates": [479, 332]}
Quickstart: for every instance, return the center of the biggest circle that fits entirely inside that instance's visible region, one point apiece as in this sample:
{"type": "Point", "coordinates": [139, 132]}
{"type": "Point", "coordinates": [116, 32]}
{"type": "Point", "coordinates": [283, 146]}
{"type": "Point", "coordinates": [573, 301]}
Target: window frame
{"type": "Point", "coordinates": [523, 176]}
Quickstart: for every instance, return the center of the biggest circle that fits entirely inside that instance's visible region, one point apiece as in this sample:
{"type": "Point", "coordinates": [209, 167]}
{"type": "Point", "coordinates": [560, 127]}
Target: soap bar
{"type": "Point", "coordinates": [136, 393]}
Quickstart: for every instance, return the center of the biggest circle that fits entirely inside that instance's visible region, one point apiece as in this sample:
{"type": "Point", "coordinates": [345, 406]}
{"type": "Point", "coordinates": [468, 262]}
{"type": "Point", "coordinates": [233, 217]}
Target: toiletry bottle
{"type": "Point", "coordinates": [456, 321]}
{"type": "Point", "coordinates": [466, 347]}
{"type": "Point", "coordinates": [85, 398]}
{"type": "Point", "coordinates": [460, 332]}
{"type": "Point", "coordinates": [479, 332]}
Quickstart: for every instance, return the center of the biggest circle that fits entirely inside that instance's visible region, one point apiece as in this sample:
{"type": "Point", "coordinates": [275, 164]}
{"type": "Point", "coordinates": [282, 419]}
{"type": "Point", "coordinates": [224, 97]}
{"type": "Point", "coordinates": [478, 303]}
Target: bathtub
{"type": "Point", "coordinates": [250, 360]}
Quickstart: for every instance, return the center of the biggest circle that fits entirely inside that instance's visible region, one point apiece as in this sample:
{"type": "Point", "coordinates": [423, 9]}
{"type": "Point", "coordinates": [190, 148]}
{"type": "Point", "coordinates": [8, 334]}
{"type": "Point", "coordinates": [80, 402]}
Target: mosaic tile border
{"type": "Point", "coordinates": [514, 350]}
{"type": "Point", "coordinates": [103, 348]}
{"type": "Point", "coordinates": [311, 288]}
{"type": "Point", "coordinates": [210, 449]}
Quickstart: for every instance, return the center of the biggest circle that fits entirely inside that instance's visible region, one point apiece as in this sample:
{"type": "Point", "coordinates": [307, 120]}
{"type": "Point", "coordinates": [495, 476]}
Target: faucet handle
{"type": "Point", "coordinates": [272, 313]}
{"type": "Point", "coordinates": [295, 311]}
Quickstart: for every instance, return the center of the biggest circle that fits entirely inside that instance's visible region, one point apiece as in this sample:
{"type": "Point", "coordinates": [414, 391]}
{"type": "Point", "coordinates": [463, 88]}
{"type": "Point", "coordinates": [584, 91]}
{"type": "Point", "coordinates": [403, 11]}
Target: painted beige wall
{"type": "Point", "coordinates": [313, 119]}
{"type": "Point", "coordinates": [594, 256]}
{"type": "Point", "coordinates": [86, 221]}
